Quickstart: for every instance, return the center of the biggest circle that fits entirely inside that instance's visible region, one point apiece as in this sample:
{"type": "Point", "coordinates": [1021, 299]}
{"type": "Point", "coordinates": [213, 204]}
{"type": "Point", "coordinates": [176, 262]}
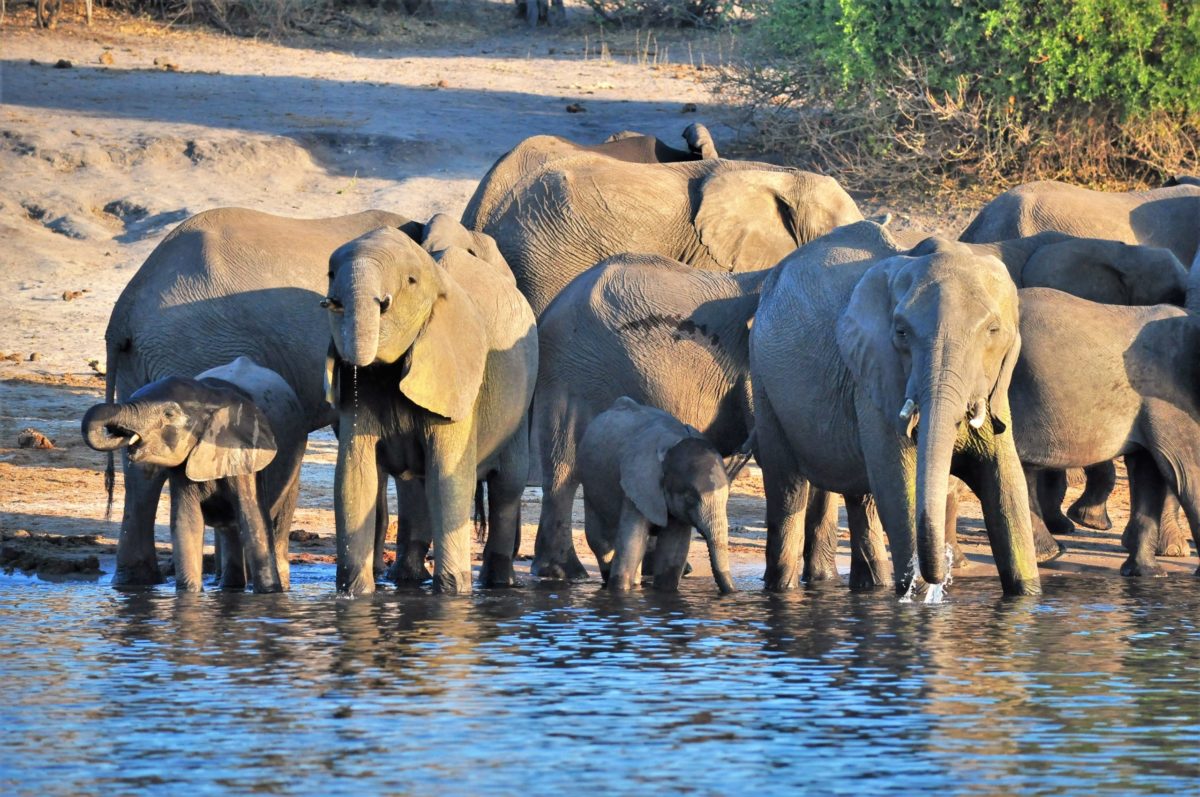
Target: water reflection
{"type": "Point", "coordinates": [1095, 686]}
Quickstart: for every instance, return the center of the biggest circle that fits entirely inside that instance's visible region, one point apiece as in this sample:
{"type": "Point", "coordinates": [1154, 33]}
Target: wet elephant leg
{"type": "Point", "coordinates": [1051, 491]}
{"type": "Point", "coordinates": [952, 497]}
{"type": "Point", "coordinates": [504, 489]}
{"type": "Point", "coordinates": [787, 501]}
{"type": "Point", "coordinates": [821, 537]}
{"type": "Point", "coordinates": [554, 549]}
{"type": "Point", "coordinates": [868, 551]}
{"type": "Point", "coordinates": [1046, 547]}
{"type": "Point", "coordinates": [137, 558]}
{"type": "Point", "coordinates": [1091, 508]}
{"type": "Point", "coordinates": [382, 522]}
{"type": "Point", "coordinates": [671, 555]}
{"type": "Point", "coordinates": [1147, 492]}
{"type": "Point", "coordinates": [231, 561]}
{"type": "Point", "coordinates": [187, 536]}
{"type": "Point", "coordinates": [633, 531]}
{"type": "Point", "coordinates": [414, 535]}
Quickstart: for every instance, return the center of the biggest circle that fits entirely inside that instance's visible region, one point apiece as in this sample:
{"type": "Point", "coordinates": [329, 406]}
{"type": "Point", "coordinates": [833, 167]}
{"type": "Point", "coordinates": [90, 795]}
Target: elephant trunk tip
{"type": "Point", "coordinates": [724, 582]}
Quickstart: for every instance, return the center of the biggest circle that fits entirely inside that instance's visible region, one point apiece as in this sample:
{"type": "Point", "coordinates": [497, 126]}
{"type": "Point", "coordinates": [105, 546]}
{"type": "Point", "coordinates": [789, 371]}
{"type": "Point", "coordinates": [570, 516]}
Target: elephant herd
{"type": "Point", "coordinates": [630, 318]}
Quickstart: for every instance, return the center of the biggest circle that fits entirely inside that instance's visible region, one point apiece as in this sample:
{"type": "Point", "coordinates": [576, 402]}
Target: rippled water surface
{"type": "Point", "coordinates": [1093, 688]}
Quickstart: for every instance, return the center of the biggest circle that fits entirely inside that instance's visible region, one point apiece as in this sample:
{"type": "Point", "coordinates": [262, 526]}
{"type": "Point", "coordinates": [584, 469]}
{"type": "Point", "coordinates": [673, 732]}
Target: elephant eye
{"type": "Point", "coordinates": [330, 303]}
{"type": "Point", "coordinates": [412, 280]}
{"type": "Point", "coordinates": [994, 329]}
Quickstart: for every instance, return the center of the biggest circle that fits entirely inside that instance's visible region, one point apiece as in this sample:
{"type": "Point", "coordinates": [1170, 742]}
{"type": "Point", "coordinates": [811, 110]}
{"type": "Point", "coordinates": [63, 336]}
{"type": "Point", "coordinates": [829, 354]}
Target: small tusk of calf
{"type": "Point", "coordinates": [133, 438]}
{"type": "Point", "coordinates": [907, 410]}
{"type": "Point", "coordinates": [978, 413]}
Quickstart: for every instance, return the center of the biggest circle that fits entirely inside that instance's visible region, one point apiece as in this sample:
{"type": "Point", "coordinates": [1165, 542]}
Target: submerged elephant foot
{"type": "Point", "coordinates": [565, 569]}
{"type": "Point", "coordinates": [409, 569]}
{"type": "Point", "coordinates": [780, 579]}
{"type": "Point", "coordinates": [452, 583]}
{"type": "Point", "coordinates": [862, 578]}
{"type": "Point", "coordinates": [1133, 568]}
{"type": "Point", "coordinates": [135, 576]}
{"type": "Point", "coordinates": [1092, 516]}
{"type": "Point", "coordinates": [497, 572]}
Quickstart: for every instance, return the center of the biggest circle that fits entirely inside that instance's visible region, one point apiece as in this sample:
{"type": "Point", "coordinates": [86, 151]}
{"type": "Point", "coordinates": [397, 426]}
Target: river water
{"type": "Point", "coordinates": [1093, 688]}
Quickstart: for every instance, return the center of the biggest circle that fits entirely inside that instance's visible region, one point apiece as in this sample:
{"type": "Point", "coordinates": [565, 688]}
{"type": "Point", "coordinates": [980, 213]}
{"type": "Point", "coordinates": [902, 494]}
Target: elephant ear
{"type": "Point", "coordinates": [864, 336]}
{"type": "Point", "coordinates": [641, 469]}
{"type": "Point", "coordinates": [446, 362]}
{"type": "Point", "coordinates": [745, 218]}
{"type": "Point", "coordinates": [998, 406]}
{"type": "Point", "coordinates": [443, 232]}
{"type": "Point", "coordinates": [237, 441]}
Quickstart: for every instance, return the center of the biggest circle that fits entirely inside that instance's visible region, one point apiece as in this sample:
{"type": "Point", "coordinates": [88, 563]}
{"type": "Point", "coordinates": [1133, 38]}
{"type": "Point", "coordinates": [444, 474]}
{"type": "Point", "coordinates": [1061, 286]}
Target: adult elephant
{"type": "Point", "coordinates": [225, 283]}
{"type": "Point", "coordinates": [432, 369]}
{"type": "Point", "coordinates": [860, 346]}
{"type": "Point", "coordinates": [1166, 217]}
{"type": "Point", "coordinates": [564, 216]}
{"type": "Point", "coordinates": [667, 336]}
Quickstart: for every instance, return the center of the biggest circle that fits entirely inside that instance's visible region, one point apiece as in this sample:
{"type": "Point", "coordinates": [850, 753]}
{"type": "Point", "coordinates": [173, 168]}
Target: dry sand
{"type": "Point", "coordinates": [148, 127]}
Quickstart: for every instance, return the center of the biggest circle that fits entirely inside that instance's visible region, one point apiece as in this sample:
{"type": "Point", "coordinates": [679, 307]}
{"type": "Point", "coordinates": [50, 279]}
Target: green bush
{"type": "Point", "coordinates": [989, 89]}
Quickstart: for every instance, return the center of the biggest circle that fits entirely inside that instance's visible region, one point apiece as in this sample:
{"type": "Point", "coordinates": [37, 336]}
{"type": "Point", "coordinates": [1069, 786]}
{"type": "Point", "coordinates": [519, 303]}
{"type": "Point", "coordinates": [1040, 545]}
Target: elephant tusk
{"type": "Point", "coordinates": [907, 410]}
{"type": "Point", "coordinates": [133, 438]}
{"type": "Point", "coordinates": [978, 413]}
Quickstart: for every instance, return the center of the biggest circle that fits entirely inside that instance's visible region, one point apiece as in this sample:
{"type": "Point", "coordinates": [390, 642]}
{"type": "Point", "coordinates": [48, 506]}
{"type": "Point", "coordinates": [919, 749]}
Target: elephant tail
{"type": "Point", "coordinates": [480, 516]}
{"type": "Point", "coordinates": [740, 459]}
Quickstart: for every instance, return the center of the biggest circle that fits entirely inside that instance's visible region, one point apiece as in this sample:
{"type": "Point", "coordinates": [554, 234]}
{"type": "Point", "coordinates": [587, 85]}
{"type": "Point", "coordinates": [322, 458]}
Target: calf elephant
{"type": "Point", "coordinates": [431, 370]}
{"type": "Point", "coordinates": [224, 282]}
{"type": "Point", "coordinates": [645, 473]}
{"type": "Point", "coordinates": [857, 345]}
{"type": "Point", "coordinates": [1120, 382]}
{"type": "Point", "coordinates": [665, 335]}
{"type": "Point", "coordinates": [561, 217]}
{"type": "Point", "coordinates": [231, 441]}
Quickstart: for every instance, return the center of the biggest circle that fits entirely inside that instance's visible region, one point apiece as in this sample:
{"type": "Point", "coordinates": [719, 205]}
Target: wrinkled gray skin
{"type": "Point", "coordinates": [646, 474]}
{"type": "Point", "coordinates": [1122, 381]}
{"type": "Point", "coordinates": [665, 335]}
{"type": "Point", "coordinates": [433, 369]}
{"type": "Point", "coordinates": [1166, 217]}
{"type": "Point", "coordinates": [857, 347]}
{"type": "Point", "coordinates": [224, 283]}
{"type": "Point", "coordinates": [231, 441]}
{"type": "Point", "coordinates": [556, 218]}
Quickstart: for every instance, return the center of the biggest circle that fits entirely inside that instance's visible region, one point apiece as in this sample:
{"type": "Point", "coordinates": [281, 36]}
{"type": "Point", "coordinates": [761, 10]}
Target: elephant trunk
{"type": "Point", "coordinates": [714, 524]}
{"type": "Point", "coordinates": [360, 325]}
{"type": "Point", "coordinates": [103, 429]}
{"type": "Point", "coordinates": [940, 413]}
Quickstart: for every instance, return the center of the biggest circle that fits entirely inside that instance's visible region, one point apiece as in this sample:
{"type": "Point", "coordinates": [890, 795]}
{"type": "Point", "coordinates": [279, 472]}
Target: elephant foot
{"type": "Point", "coordinates": [268, 589]}
{"type": "Point", "coordinates": [822, 575]}
{"type": "Point", "coordinates": [780, 579]}
{"type": "Point", "coordinates": [404, 573]}
{"type": "Point", "coordinates": [566, 569]}
{"type": "Point", "coordinates": [452, 583]}
{"type": "Point", "coordinates": [1172, 541]}
{"type": "Point", "coordinates": [1092, 516]}
{"type": "Point", "coordinates": [1059, 524]}
{"type": "Point", "coordinates": [863, 580]}
{"type": "Point", "coordinates": [362, 583]}
{"type": "Point", "coordinates": [1046, 548]}
{"type": "Point", "coordinates": [140, 575]}
{"type": "Point", "coordinates": [497, 572]}
{"type": "Point", "coordinates": [687, 569]}
{"type": "Point", "coordinates": [668, 580]}
{"type": "Point", "coordinates": [1142, 569]}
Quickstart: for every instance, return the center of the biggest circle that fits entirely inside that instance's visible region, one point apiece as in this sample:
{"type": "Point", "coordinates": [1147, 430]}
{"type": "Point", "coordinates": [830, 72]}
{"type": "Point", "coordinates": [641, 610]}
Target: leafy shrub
{"type": "Point", "coordinates": [947, 91]}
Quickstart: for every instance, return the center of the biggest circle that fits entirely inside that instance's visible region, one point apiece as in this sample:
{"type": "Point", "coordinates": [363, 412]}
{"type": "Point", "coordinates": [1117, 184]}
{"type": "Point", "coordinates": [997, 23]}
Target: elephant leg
{"type": "Point", "coordinates": [633, 532]}
{"type": "Point", "coordinates": [137, 557]}
{"type": "Point", "coordinates": [355, 495]}
{"type": "Point", "coordinates": [187, 536]}
{"type": "Point", "coordinates": [218, 556]}
{"type": "Point", "coordinates": [382, 521]}
{"type": "Point", "coordinates": [868, 552]}
{"type": "Point", "coordinates": [998, 480]}
{"type": "Point", "coordinates": [671, 555]}
{"type": "Point", "coordinates": [1051, 491]}
{"type": "Point", "coordinates": [255, 535]}
{"type": "Point", "coordinates": [450, 486]}
{"type": "Point", "coordinates": [957, 557]}
{"type": "Point", "coordinates": [554, 554]}
{"type": "Point", "coordinates": [531, 13]}
{"type": "Point", "coordinates": [1046, 547]}
{"type": "Point", "coordinates": [414, 535]}
{"type": "Point", "coordinates": [556, 14]}
{"type": "Point", "coordinates": [598, 539]}
{"type": "Point", "coordinates": [1172, 538]}
{"type": "Point", "coordinates": [231, 562]}
{"type": "Point", "coordinates": [892, 476]}
{"type": "Point", "coordinates": [1091, 508]}
{"type": "Point", "coordinates": [504, 489]}
{"type": "Point", "coordinates": [787, 501]}
{"type": "Point", "coordinates": [281, 526]}
{"type": "Point", "coordinates": [1147, 493]}
{"type": "Point", "coordinates": [821, 538]}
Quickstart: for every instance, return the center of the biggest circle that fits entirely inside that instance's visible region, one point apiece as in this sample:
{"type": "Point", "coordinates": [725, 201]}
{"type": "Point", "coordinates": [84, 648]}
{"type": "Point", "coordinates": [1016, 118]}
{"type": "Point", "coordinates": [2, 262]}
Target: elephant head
{"type": "Point", "coordinates": [1107, 271]}
{"type": "Point", "coordinates": [213, 430]}
{"type": "Point", "coordinates": [685, 480]}
{"type": "Point", "coordinates": [932, 337]}
{"type": "Point", "coordinates": [750, 218]}
{"type": "Point", "coordinates": [389, 300]}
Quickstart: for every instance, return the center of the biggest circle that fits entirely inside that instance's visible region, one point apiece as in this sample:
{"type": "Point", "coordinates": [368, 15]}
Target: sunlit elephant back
{"type": "Point", "coordinates": [719, 215]}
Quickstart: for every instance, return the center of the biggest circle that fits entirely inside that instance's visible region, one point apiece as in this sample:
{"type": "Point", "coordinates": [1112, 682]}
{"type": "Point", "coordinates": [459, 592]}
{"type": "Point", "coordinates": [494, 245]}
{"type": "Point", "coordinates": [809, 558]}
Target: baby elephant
{"type": "Point", "coordinates": [232, 440]}
{"type": "Point", "coordinates": [643, 472]}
